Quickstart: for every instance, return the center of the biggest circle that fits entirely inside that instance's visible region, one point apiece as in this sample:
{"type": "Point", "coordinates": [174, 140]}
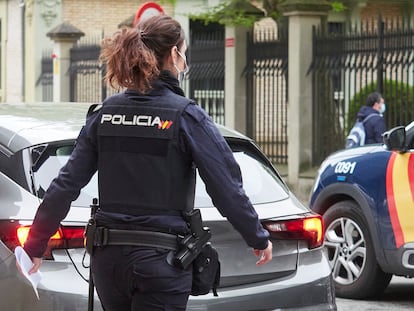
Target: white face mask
{"type": "Point", "coordinates": [181, 74]}
{"type": "Point", "coordinates": [382, 108]}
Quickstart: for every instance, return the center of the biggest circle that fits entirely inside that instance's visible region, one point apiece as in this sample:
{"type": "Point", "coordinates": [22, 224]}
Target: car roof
{"type": "Point", "coordinates": [27, 124]}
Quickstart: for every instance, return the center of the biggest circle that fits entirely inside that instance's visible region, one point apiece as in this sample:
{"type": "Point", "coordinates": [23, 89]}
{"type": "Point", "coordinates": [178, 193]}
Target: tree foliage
{"type": "Point", "coordinates": [247, 12]}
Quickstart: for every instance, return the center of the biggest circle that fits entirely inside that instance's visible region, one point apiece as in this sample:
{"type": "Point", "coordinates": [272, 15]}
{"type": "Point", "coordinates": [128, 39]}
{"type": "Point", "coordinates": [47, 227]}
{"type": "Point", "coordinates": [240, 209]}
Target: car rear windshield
{"type": "Point", "coordinates": [261, 182]}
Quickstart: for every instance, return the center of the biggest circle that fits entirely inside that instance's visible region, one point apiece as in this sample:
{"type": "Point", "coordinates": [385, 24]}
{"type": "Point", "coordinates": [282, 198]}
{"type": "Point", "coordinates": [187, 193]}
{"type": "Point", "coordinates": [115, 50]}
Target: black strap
{"type": "Point", "coordinates": [93, 108]}
{"type": "Point", "coordinates": [369, 117]}
{"type": "Point", "coordinates": [91, 293]}
{"type": "Point", "coordinates": [105, 236]}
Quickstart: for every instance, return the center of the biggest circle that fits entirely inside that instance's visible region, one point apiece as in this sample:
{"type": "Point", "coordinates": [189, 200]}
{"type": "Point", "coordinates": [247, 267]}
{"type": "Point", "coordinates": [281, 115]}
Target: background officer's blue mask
{"type": "Point", "coordinates": [181, 73]}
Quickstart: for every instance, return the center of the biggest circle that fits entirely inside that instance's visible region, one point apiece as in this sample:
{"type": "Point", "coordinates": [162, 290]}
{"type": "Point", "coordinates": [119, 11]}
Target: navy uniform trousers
{"type": "Point", "coordinates": [140, 277]}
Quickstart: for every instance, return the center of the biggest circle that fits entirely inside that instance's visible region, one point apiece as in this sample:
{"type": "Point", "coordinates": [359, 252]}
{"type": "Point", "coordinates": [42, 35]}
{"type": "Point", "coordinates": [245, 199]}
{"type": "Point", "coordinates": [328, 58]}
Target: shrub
{"type": "Point", "coordinates": [398, 96]}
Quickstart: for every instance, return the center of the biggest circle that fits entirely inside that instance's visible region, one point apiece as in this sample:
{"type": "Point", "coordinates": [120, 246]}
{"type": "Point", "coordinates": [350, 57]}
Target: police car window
{"type": "Point", "coordinates": [47, 161]}
{"type": "Point", "coordinates": [260, 182]}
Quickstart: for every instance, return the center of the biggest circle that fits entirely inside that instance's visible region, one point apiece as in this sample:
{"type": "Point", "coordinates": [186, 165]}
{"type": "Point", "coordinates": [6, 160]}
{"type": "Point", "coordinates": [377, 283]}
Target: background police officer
{"type": "Point", "coordinates": [145, 144]}
{"type": "Point", "coordinates": [375, 125]}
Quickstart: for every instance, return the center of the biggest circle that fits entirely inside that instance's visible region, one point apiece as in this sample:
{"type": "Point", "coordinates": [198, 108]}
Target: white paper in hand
{"type": "Point", "coordinates": [26, 264]}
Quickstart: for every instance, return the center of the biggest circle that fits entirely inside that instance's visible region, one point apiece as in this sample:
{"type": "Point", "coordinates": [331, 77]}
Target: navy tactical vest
{"type": "Point", "coordinates": [142, 170]}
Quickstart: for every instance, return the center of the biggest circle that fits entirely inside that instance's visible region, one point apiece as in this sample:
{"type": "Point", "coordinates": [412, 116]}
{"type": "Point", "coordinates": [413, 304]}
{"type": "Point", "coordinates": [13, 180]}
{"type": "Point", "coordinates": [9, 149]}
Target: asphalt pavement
{"type": "Point", "coordinates": [397, 297]}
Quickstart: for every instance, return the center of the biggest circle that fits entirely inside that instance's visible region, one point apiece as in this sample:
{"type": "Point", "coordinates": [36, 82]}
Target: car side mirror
{"type": "Point", "coordinates": [394, 139]}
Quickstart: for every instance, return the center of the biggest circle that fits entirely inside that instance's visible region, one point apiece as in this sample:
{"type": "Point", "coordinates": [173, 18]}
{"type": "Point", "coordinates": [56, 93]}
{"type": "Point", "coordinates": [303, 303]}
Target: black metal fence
{"type": "Point", "coordinates": [266, 91]}
{"type": "Point", "coordinates": [86, 74]}
{"type": "Point", "coordinates": [46, 77]}
{"type": "Point", "coordinates": [206, 76]}
{"type": "Point", "coordinates": [350, 63]}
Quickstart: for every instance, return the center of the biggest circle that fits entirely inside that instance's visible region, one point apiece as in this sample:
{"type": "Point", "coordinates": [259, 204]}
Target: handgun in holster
{"type": "Point", "coordinates": [90, 229]}
{"type": "Point", "coordinates": [191, 244]}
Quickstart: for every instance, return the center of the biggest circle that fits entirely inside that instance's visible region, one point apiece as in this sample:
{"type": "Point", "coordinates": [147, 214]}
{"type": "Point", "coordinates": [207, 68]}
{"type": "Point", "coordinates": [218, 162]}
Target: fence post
{"type": "Point", "coordinates": [380, 87]}
{"type": "Point", "coordinates": [235, 95]}
{"type": "Point", "coordinates": [302, 16]}
{"type": "Point", "coordinates": [64, 36]}
{"type": "Point", "coordinates": [235, 62]}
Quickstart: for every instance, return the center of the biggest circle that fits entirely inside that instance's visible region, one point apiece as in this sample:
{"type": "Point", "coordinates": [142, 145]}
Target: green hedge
{"type": "Point", "coordinates": [398, 96]}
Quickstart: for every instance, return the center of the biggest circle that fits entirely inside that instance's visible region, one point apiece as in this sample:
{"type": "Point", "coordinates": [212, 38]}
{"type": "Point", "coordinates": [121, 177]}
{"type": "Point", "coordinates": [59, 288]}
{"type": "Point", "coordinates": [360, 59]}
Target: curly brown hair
{"type": "Point", "coordinates": [135, 56]}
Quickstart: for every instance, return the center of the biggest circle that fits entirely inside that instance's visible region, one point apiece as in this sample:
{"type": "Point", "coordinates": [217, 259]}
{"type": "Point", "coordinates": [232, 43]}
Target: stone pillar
{"type": "Point", "coordinates": [410, 12]}
{"type": "Point", "coordinates": [355, 14]}
{"type": "Point", "coordinates": [39, 17]}
{"type": "Point", "coordinates": [11, 64]}
{"type": "Point", "coordinates": [302, 15]}
{"type": "Point", "coordinates": [235, 82]}
{"type": "Point", "coordinates": [64, 36]}
{"type": "Point", "coordinates": [235, 57]}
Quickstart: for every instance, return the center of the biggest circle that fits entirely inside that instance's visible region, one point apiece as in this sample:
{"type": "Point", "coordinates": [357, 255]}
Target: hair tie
{"type": "Point", "coordinates": [140, 34]}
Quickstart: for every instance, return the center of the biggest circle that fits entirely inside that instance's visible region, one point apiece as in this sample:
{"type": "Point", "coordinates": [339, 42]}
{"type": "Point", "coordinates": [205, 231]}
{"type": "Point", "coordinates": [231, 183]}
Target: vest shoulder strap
{"type": "Point", "coordinates": [93, 108]}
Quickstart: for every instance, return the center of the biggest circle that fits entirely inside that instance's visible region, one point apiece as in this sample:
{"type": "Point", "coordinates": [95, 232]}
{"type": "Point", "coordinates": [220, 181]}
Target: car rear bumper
{"type": "Point", "coordinates": [61, 287]}
{"type": "Point", "coordinates": [309, 288]}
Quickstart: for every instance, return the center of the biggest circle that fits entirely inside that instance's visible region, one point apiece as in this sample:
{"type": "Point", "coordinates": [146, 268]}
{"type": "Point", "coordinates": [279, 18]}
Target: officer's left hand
{"type": "Point", "coordinates": [265, 255]}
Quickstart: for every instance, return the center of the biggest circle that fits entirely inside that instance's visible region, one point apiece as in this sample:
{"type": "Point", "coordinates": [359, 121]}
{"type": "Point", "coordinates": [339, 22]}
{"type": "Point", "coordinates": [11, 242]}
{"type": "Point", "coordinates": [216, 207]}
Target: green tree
{"type": "Point", "coordinates": [246, 12]}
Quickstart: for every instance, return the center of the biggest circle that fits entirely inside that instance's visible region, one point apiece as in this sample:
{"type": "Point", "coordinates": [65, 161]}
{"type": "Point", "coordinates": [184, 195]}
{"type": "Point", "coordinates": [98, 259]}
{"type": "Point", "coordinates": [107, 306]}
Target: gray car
{"type": "Point", "coordinates": [35, 142]}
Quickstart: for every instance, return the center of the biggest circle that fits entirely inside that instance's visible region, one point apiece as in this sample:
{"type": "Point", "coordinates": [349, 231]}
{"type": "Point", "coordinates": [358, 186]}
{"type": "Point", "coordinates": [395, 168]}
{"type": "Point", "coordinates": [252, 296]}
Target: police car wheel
{"type": "Point", "coordinates": [351, 255]}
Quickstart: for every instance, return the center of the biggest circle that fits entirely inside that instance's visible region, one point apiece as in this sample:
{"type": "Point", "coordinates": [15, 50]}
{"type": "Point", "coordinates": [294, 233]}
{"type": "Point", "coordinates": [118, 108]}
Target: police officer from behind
{"type": "Point", "coordinates": [145, 144]}
{"type": "Point", "coordinates": [375, 124]}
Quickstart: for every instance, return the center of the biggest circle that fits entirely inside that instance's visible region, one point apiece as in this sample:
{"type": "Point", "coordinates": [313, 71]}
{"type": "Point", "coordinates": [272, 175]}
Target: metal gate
{"type": "Point", "coordinates": [46, 77]}
{"type": "Point", "coordinates": [347, 65]}
{"type": "Point", "coordinates": [206, 76]}
{"type": "Point", "coordinates": [266, 91]}
{"type": "Point", "coordinates": [86, 75]}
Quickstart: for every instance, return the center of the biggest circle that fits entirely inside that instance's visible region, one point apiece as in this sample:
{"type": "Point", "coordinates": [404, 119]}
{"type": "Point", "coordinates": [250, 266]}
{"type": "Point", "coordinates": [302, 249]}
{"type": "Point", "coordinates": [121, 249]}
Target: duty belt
{"type": "Point", "coordinates": [105, 236]}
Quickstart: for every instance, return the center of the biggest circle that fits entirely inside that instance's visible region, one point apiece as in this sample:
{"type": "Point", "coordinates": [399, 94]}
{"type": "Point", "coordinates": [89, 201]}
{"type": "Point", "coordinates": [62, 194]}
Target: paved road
{"type": "Point", "coordinates": [398, 296]}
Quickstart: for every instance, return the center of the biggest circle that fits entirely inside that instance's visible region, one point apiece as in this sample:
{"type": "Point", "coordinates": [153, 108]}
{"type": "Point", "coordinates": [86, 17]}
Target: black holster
{"type": "Point", "coordinates": [90, 228]}
{"type": "Point", "coordinates": [192, 244]}
{"type": "Point", "coordinates": [90, 231]}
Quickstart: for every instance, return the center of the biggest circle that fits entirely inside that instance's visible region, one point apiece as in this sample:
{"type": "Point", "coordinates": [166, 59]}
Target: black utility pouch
{"type": "Point", "coordinates": [206, 272]}
{"type": "Point", "coordinates": [196, 250]}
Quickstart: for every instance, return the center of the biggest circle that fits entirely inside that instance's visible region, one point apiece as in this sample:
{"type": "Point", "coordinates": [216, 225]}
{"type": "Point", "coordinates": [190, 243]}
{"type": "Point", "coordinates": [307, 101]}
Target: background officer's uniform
{"type": "Point", "coordinates": [374, 126]}
{"type": "Point", "coordinates": [146, 148]}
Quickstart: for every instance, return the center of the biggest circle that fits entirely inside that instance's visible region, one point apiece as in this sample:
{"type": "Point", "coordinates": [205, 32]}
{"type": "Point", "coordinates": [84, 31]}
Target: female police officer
{"type": "Point", "coordinates": [145, 144]}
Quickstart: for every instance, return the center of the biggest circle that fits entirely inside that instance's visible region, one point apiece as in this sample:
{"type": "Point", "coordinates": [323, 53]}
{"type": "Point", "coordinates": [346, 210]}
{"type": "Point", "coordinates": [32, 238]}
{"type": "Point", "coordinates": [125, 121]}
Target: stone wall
{"type": "Point", "coordinates": [95, 17]}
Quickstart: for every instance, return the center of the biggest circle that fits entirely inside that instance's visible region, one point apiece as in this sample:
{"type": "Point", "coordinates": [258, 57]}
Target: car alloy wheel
{"type": "Point", "coordinates": [345, 244]}
{"type": "Point", "coordinates": [351, 254]}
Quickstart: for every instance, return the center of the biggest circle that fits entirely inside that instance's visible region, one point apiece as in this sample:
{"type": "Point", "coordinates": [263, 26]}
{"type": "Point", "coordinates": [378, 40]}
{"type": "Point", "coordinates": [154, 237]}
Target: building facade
{"type": "Point", "coordinates": [24, 43]}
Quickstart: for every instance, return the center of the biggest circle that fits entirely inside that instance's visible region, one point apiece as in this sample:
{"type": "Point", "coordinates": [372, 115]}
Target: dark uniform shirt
{"type": "Point", "coordinates": [199, 137]}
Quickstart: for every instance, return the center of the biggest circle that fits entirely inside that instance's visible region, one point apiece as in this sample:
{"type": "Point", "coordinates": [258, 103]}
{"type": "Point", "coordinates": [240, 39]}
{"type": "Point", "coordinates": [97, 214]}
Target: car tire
{"type": "Point", "coordinates": [351, 254]}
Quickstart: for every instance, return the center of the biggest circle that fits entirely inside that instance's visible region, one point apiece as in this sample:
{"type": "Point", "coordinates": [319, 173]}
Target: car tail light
{"type": "Point", "coordinates": [13, 233]}
{"type": "Point", "coordinates": [309, 229]}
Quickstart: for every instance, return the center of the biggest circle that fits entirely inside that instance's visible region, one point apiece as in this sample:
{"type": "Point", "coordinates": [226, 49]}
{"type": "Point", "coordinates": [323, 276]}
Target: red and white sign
{"type": "Point", "coordinates": [146, 10]}
{"type": "Point", "coordinates": [230, 42]}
